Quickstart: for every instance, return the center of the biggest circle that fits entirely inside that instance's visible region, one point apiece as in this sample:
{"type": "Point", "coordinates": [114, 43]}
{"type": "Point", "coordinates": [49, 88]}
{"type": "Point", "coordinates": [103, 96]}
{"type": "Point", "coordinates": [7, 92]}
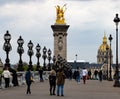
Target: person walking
{"type": "Point", "coordinates": [52, 82]}
{"type": "Point", "coordinates": [75, 74]}
{"type": "Point", "coordinates": [28, 78]}
{"type": "Point", "coordinates": [41, 74]}
{"type": "Point", "coordinates": [0, 80]}
{"type": "Point", "coordinates": [70, 74]}
{"type": "Point", "coordinates": [78, 75]}
{"type": "Point", "coordinates": [100, 75]}
{"type": "Point", "coordinates": [89, 74]}
{"type": "Point", "coordinates": [6, 75]}
{"type": "Point", "coordinates": [14, 77]}
{"type": "Point", "coordinates": [84, 75]}
{"type": "Point", "coordinates": [96, 74]}
{"type": "Point", "coordinates": [60, 77]}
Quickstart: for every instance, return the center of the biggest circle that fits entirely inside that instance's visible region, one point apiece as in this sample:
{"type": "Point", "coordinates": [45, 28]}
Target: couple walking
{"type": "Point", "coordinates": [57, 79]}
{"type": "Point", "coordinates": [78, 74]}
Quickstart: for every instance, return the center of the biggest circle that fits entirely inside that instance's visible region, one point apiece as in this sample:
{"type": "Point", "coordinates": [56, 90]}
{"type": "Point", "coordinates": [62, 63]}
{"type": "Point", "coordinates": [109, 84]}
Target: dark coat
{"type": "Point", "coordinates": [27, 76]}
{"type": "Point", "coordinates": [52, 79]}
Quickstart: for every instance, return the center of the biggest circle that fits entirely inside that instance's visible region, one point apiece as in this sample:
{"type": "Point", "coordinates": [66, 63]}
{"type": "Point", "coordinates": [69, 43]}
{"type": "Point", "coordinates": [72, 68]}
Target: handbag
{"type": "Point", "coordinates": [31, 79]}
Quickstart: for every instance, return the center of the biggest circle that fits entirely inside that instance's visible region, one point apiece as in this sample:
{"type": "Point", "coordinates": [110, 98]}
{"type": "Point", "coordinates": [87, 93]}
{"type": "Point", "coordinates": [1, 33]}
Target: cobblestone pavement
{"type": "Point", "coordinates": [93, 89]}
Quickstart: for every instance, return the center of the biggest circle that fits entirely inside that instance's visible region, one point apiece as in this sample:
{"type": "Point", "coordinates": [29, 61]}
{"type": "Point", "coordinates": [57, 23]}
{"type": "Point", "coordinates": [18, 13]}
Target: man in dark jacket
{"type": "Point", "coordinates": [28, 76]}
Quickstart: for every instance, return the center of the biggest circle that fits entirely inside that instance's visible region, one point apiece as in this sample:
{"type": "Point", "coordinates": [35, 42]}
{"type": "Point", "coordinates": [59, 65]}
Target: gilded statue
{"type": "Point", "coordinates": [60, 14]}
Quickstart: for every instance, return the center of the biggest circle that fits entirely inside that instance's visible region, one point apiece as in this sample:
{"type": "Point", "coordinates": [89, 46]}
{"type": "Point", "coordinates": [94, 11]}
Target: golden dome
{"type": "Point", "coordinates": [104, 46]}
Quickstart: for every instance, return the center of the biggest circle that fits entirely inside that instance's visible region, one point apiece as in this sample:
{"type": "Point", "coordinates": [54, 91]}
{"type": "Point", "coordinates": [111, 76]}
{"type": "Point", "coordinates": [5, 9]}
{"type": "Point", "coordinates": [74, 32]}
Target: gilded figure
{"type": "Point", "coordinates": [60, 14]}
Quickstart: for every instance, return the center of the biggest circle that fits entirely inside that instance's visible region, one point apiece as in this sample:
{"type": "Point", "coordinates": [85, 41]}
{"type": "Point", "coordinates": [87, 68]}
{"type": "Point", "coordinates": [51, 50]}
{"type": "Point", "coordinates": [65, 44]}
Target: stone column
{"type": "Point", "coordinates": [60, 40]}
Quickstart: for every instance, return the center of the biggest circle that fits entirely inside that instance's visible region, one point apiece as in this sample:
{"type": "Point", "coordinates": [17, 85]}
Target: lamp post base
{"type": "Point", "coordinates": [31, 67]}
{"type": "Point", "coordinates": [116, 84]}
{"type": "Point", "coordinates": [38, 67]}
{"type": "Point", "coordinates": [110, 79]}
{"type": "Point", "coordinates": [7, 65]}
{"type": "Point", "coordinates": [20, 68]}
{"type": "Point", "coordinates": [44, 68]}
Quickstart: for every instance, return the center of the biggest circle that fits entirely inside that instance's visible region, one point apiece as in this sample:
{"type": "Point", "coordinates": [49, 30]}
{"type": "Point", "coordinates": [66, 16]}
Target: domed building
{"type": "Point", "coordinates": [103, 58]}
{"type": "Point", "coordinates": [103, 55]}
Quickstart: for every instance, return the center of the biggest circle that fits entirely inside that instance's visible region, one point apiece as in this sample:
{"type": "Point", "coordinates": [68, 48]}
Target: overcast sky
{"type": "Point", "coordinates": [32, 19]}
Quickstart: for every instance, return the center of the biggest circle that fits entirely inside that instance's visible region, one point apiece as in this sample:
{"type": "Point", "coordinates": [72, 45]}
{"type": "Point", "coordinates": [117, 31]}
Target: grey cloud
{"type": "Point", "coordinates": [2, 2]}
{"type": "Point", "coordinates": [80, 0]}
{"type": "Point", "coordinates": [114, 0]}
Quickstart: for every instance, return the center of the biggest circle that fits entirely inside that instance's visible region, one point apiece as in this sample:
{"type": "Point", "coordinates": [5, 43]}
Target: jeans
{"type": "Point", "coordinates": [7, 81]}
{"type": "Point", "coordinates": [28, 87]}
{"type": "Point", "coordinates": [78, 79]}
{"type": "Point", "coordinates": [60, 88]}
{"type": "Point", "coordinates": [52, 89]}
{"type": "Point", "coordinates": [84, 79]}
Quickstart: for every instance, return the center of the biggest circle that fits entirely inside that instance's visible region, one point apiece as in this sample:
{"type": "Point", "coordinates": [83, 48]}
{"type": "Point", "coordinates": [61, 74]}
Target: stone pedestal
{"type": "Point", "coordinates": [60, 40]}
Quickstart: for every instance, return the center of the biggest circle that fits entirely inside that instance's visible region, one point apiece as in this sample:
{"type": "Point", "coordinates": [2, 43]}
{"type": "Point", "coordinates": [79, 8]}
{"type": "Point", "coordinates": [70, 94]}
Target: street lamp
{"type": "Point", "coordinates": [49, 59]}
{"type": "Point", "coordinates": [30, 53]}
{"type": "Point", "coordinates": [61, 62]}
{"type": "Point", "coordinates": [110, 76]}
{"type": "Point", "coordinates": [20, 51]}
{"type": "Point", "coordinates": [38, 55]}
{"type": "Point", "coordinates": [54, 62]}
{"type": "Point", "coordinates": [75, 62]}
{"type": "Point", "coordinates": [116, 83]}
{"type": "Point", "coordinates": [76, 57]}
{"type": "Point", "coordinates": [7, 47]}
{"type": "Point", "coordinates": [64, 63]}
{"type": "Point", "coordinates": [58, 61]}
{"type": "Point", "coordinates": [107, 48]}
{"type": "Point", "coordinates": [44, 57]}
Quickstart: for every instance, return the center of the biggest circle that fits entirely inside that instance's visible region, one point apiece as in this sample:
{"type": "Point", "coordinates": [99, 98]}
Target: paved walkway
{"type": "Point", "coordinates": [93, 89]}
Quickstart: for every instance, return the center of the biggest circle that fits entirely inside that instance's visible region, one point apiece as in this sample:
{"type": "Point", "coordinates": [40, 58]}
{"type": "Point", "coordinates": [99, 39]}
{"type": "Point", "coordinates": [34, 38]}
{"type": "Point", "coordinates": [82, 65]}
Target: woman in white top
{"type": "Point", "coordinates": [6, 74]}
{"type": "Point", "coordinates": [84, 75]}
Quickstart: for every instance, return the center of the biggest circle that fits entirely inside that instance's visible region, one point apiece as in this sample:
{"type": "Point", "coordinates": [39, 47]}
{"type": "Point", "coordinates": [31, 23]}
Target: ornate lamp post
{"type": "Point", "coordinates": [38, 55]}
{"type": "Point", "coordinates": [44, 57]}
{"type": "Point", "coordinates": [58, 60]}
{"type": "Point", "coordinates": [110, 76]}
{"type": "Point", "coordinates": [54, 62]}
{"type": "Point", "coordinates": [20, 51]}
{"type": "Point", "coordinates": [7, 47]}
{"type": "Point", "coordinates": [64, 63]}
{"type": "Point", "coordinates": [49, 59]}
{"type": "Point", "coordinates": [61, 62]}
{"type": "Point", "coordinates": [30, 53]}
{"type": "Point", "coordinates": [117, 83]}
{"type": "Point", "coordinates": [75, 60]}
{"type": "Point", "coordinates": [107, 48]}
{"type": "Point", "coordinates": [76, 57]}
